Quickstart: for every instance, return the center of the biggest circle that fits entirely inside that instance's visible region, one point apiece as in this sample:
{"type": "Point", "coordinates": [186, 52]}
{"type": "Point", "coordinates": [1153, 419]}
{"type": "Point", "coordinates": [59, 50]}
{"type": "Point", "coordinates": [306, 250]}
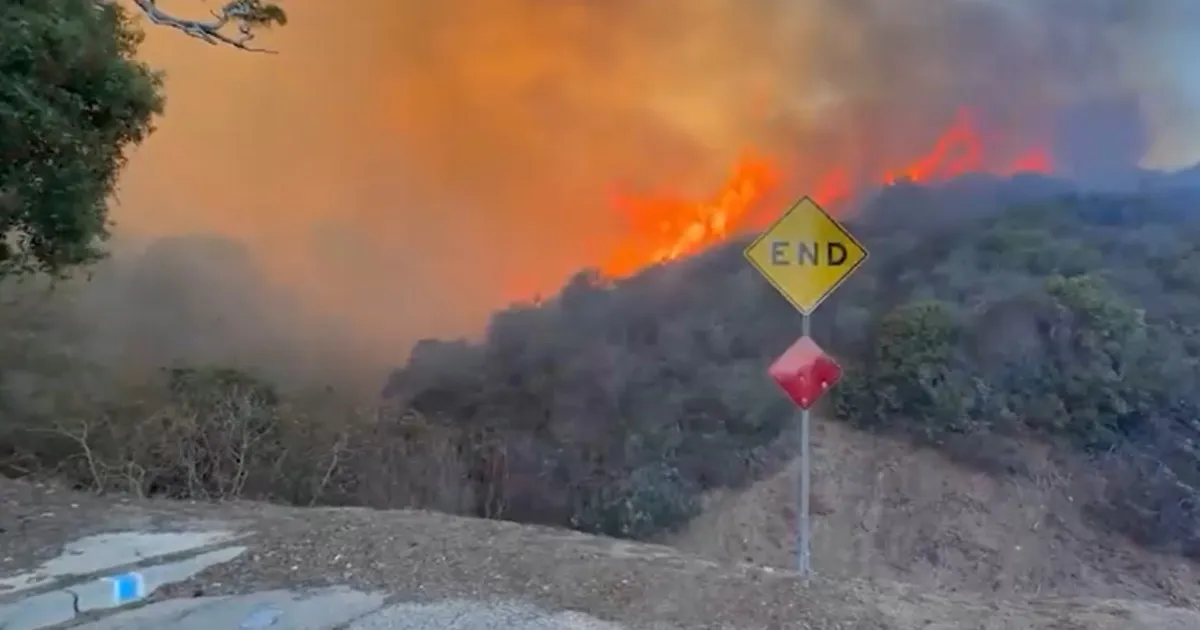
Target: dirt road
{"type": "Point", "coordinates": [259, 566]}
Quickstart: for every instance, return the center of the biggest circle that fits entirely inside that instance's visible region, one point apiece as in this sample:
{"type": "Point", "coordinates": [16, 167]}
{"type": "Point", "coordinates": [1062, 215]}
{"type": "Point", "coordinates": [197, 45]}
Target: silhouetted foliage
{"type": "Point", "coordinates": [1007, 308]}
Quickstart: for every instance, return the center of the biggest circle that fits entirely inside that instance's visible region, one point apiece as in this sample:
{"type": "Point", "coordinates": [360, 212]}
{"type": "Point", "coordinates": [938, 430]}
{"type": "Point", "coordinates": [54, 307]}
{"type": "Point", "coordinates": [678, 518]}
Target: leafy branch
{"type": "Point", "coordinates": [235, 24]}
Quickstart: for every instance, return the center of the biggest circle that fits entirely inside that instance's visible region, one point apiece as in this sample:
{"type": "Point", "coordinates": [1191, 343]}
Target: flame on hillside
{"type": "Point", "coordinates": [667, 227]}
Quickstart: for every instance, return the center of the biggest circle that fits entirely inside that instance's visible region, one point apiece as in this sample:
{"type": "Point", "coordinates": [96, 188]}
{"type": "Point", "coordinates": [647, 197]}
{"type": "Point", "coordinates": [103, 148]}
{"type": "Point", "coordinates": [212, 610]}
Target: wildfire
{"type": "Point", "coordinates": [666, 228]}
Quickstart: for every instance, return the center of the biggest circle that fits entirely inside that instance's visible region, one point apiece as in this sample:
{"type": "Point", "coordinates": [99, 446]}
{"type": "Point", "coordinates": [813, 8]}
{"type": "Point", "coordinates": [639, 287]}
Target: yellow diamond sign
{"type": "Point", "coordinates": [806, 255]}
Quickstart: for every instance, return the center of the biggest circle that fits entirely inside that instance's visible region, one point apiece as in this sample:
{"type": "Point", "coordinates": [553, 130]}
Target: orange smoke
{"type": "Point", "coordinates": [406, 167]}
{"type": "Point", "coordinates": [665, 227]}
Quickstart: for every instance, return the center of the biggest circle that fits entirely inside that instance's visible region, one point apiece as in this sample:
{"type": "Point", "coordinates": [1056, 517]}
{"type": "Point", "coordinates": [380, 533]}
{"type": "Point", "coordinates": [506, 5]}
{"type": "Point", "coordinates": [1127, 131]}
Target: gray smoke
{"type": "Point", "coordinates": [1093, 79]}
{"type": "Point", "coordinates": [1099, 144]}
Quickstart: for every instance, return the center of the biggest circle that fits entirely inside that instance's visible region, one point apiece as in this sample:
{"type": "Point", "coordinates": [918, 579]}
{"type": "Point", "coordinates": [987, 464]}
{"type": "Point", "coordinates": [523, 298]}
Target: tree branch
{"type": "Point", "coordinates": [245, 17]}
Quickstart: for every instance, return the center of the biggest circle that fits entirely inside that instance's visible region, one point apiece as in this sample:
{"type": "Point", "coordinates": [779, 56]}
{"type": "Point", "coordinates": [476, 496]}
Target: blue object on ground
{"type": "Point", "coordinates": [127, 587]}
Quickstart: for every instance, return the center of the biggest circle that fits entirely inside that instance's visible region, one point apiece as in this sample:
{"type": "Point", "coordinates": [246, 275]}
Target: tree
{"type": "Point", "coordinates": [73, 99]}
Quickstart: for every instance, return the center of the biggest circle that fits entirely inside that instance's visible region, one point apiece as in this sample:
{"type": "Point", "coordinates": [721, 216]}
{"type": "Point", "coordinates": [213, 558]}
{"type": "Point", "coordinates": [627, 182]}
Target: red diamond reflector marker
{"type": "Point", "coordinates": [805, 372]}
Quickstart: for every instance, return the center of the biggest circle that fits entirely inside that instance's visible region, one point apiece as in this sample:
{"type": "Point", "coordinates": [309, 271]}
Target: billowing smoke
{"type": "Point", "coordinates": [405, 166]}
{"type": "Point", "coordinates": [1100, 144]}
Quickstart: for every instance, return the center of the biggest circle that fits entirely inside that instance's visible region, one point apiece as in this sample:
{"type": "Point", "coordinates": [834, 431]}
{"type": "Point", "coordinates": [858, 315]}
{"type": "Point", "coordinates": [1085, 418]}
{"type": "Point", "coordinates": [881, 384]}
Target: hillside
{"type": "Point", "coordinates": [1017, 417]}
{"type": "Point", "coordinates": [995, 317]}
{"type": "Point", "coordinates": [887, 511]}
{"type": "Point", "coordinates": [413, 558]}
{"type": "Point", "coordinates": [192, 432]}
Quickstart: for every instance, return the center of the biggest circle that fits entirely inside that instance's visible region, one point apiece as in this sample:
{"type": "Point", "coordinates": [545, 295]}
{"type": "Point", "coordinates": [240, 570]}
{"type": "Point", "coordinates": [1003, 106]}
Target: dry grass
{"type": "Point", "coordinates": [884, 510]}
{"type": "Point", "coordinates": [235, 442]}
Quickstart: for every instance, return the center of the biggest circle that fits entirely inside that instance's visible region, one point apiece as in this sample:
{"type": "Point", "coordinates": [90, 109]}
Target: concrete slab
{"type": "Point", "coordinates": [107, 551]}
{"type": "Point", "coordinates": [323, 609]}
{"type": "Point", "coordinates": [38, 611]}
{"type": "Point", "coordinates": [62, 605]}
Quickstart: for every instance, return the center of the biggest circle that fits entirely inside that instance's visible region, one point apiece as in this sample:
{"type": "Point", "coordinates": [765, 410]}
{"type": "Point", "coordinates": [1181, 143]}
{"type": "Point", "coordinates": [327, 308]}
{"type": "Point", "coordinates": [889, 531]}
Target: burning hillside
{"type": "Point", "coordinates": [455, 154]}
{"type": "Point", "coordinates": [473, 151]}
{"type": "Point", "coordinates": [1031, 311]}
{"type": "Point", "coordinates": [666, 226]}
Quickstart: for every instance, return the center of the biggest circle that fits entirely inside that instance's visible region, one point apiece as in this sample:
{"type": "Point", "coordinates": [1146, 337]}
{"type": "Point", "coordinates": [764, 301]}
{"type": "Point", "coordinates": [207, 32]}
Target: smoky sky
{"type": "Point", "coordinates": [404, 167]}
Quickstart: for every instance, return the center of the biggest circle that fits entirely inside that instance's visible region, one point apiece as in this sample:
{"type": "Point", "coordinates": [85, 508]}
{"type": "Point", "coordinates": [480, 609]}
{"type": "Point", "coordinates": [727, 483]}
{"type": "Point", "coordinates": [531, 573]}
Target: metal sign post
{"type": "Point", "coordinates": [805, 255]}
{"type": "Point", "coordinates": [803, 535]}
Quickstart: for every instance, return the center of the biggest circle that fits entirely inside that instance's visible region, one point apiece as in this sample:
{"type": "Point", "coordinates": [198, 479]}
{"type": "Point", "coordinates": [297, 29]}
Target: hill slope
{"type": "Point", "coordinates": [416, 556]}
{"type": "Point", "coordinates": [885, 510]}
{"type": "Point", "coordinates": [991, 312]}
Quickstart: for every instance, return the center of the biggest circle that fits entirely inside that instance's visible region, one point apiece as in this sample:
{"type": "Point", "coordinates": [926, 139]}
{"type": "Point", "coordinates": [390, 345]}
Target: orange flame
{"type": "Point", "coordinates": [668, 227]}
